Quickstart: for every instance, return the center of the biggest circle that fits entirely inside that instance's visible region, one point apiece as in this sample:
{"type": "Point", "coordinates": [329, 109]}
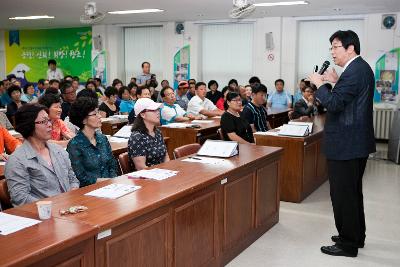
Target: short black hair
{"type": "Point", "coordinates": [280, 80]}
{"type": "Point", "coordinates": [65, 86]}
{"type": "Point", "coordinates": [192, 81]}
{"type": "Point", "coordinates": [229, 97]}
{"type": "Point", "coordinates": [49, 99]}
{"type": "Point", "coordinates": [25, 118]}
{"type": "Point", "coordinates": [162, 92]}
{"type": "Point", "coordinates": [199, 84]}
{"type": "Point", "coordinates": [26, 86]}
{"type": "Point", "coordinates": [51, 61]}
{"type": "Point", "coordinates": [80, 109]}
{"type": "Point", "coordinates": [139, 90]}
{"type": "Point", "coordinates": [67, 76]}
{"type": "Point", "coordinates": [145, 63]}
{"type": "Point", "coordinates": [41, 81]}
{"type": "Point", "coordinates": [347, 38]}
{"type": "Point", "coordinates": [51, 90]}
{"type": "Point", "coordinates": [11, 76]}
{"type": "Point", "coordinates": [122, 90]}
{"type": "Point", "coordinates": [233, 81]}
{"type": "Point", "coordinates": [226, 88]}
{"type": "Point", "coordinates": [254, 79]}
{"type": "Point", "coordinates": [131, 85]}
{"type": "Point", "coordinates": [90, 82]}
{"type": "Point", "coordinates": [111, 91]}
{"type": "Point", "coordinates": [259, 87]}
{"type": "Point", "coordinates": [87, 93]}
{"type": "Point", "coordinates": [210, 83]}
{"type": "Point", "coordinates": [115, 82]}
{"type": "Point", "coordinates": [13, 88]}
{"type": "Point", "coordinates": [75, 78]}
{"type": "Point", "coordinates": [97, 80]}
{"type": "Point", "coordinates": [54, 81]}
{"type": "Point", "coordinates": [164, 81]}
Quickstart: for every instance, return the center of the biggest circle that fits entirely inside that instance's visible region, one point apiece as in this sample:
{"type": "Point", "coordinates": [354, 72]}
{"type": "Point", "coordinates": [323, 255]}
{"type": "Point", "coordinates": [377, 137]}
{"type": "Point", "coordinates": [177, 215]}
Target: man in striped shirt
{"type": "Point", "coordinates": [254, 112]}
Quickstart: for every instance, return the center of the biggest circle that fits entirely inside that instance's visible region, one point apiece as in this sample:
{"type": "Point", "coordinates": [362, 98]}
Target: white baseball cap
{"type": "Point", "coordinates": [145, 103]}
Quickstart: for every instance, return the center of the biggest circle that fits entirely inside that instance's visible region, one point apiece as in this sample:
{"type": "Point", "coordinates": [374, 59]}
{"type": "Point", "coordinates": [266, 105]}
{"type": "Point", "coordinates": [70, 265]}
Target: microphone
{"type": "Point", "coordinates": [324, 67]}
{"type": "Point", "coordinates": [316, 68]}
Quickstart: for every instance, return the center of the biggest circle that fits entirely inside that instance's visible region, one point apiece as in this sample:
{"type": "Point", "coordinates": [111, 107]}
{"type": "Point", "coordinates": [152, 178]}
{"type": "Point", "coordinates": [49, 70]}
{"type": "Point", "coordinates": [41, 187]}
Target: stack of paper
{"type": "Point", "coordinates": [273, 133]}
{"type": "Point", "coordinates": [202, 121]}
{"type": "Point", "coordinates": [155, 174]}
{"type": "Point", "coordinates": [178, 125]}
{"type": "Point", "coordinates": [10, 223]}
{"type": "Point", "coordinates": [124, 132]}
{"type": "Point", "coordinates": [113, 191]}
{"type": "Point", "coordinates": [309, 124]}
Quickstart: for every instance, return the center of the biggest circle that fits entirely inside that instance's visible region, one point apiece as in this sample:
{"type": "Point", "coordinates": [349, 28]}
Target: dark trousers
{"type": "Point", "coordinates": [345, 179]}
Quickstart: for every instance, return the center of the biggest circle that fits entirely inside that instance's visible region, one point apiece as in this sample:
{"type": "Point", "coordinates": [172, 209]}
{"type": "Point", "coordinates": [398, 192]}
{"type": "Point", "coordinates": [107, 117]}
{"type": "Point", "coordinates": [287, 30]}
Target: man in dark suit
{"type": "Point", "coordinates": [349, 138]}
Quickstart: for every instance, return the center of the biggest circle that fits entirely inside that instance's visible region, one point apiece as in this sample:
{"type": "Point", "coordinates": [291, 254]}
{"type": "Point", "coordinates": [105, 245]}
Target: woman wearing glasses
{"type": "Point", "coordinates": [90, 152]}
{"type": "Point", "coordinates": [234, 127]}
{"type": "Point", "coordinates": [38, 168]}
{"type": "Point", "coordinates": [146, 145]}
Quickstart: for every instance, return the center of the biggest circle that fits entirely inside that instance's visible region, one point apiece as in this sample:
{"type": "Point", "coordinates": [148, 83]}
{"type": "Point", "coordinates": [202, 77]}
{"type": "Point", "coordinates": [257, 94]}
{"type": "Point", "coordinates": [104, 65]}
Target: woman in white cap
{"type": "Point", "coordinates": [146, 145]}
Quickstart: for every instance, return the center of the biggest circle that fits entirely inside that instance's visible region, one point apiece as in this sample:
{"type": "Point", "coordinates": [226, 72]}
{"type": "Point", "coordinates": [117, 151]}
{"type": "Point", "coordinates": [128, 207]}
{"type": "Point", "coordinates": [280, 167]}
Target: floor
{"type": "Point", "coordinates": [304, 228]}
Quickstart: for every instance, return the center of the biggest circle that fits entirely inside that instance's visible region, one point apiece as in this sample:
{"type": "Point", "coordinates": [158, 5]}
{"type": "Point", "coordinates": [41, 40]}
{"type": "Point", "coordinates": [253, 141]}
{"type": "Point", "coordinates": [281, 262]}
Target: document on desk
{"type": "Point", "coordinates": [309, 124]}
{"type": "Point", "coordinates": [221, 149]}
{"type": "Point", "coordinates": [294, 130]}
{"type": "Point", "coordinates": [178, 125]}
{"type": "Point", "coordinates": [205, 160]}
{"type": "Point", "coordinates": [273, 133]}
{"type": "Point", "coordinates": [124, 132]}
{"type": "Point", "coordinates": [120, 117]}
{"type": "Point", "coordinates": [10, 223]}
{"type": "Point", "coordinates": [113, 191]}
{"type": "Point", "coordinates": [202, 121]}
{"type": "Point", "coordinates": [114, 139]}
{"type": "Point", "coordinates": [106, 119]}
{"type": "Point", "coordinates": [155, 174]}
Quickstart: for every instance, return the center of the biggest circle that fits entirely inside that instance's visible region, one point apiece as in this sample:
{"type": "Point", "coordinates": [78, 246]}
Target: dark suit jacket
{"type": "Point", "coordinates": [349, 132]}
{"type": "Point", "coordinates": [302, 109]}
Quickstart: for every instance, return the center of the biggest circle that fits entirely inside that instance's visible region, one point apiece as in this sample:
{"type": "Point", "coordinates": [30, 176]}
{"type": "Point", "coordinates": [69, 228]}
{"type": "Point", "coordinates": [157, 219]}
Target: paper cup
{"type": "Point", "coordinates": [44, 209]}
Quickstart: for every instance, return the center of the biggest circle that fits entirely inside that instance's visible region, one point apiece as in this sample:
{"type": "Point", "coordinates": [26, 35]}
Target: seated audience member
{"type": "Point", "coordinates": [8, 144]}
{"type": "Point", "coordinates": [109, 108]}
{"type": "Point", "coordinates": [221, 101]}
{"type": "Point", "coordinates": [307, 106]}
{"type": "Point", "coordinates": [192, 81]}
{"type": "Point", "coordinates": [75, 84]}
{"type": "Point", "coordinates": [133, 80]}
{"type": "Point", "coordinates": [67, 78]}
{"type": "Point", "coordinates": [5, 122]}
{"type": "Point", "coordinates": [89, 151]}
{"type": "Point", "coordinates": [37, 169]}
{"type": "Point", "coordinates": [164, 84]}
{"type": "Point", "coordinates": [181, 97]}
{"type": "Point", "coordinates": [68, 95]}
{"type": "Point", "coordinates": [99, 86]}
{"type": "Point", "coordinates": [59, 131]}
{"type": "Point", "coordinates": [132, 90]}
{"type": "Point", "coordinates": [29, 93]}
{"type": "Point", "coordinates": [253, 80]}
{"type": "Point", "coordinates": [243, 95]}
{"type": "Point", "coordinates": [279, 99]}
{"type": "Point", "coordinates": [234, 127]}
{"type": "Point", "coordinates": [140, 93]}
{"type": "Point", "coordinates": [5, 98]}
{"type": "Point", "coordinates": [298, 94]}
{"type": "Point", "coordinates": [192, 90]}
{"type": "Point", "coordinates": [248, 92]}
{"type": "Point", "coordinates": [200, 105]}
{"type": "Point", "coordinates": [127, 104]}
{"type": "Point", "coordinates": [91, 85]}
{"type": "Point", "coordinates": [14, 91]}
{"type": "Point", "coordinates": [254, 112]}
{"type": "Point", "coordinates": [214, 95]}
{"type": "Point", "coordinates": [42, 85]}
{"type": "Point", "coordinates": [117, 83]}
{"type": "Point", "coordinates": [233, 85]}
{"type": "Point", "coordinates": [54, 83]}
{"type": "Point", "coordinates": [146, 145]}
{"type": "Point", "coordinates": [171, 112]}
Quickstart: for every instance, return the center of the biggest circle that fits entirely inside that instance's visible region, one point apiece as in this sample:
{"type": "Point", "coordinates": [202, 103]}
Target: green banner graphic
{"type": "Point", "coordinates": [27, 52]}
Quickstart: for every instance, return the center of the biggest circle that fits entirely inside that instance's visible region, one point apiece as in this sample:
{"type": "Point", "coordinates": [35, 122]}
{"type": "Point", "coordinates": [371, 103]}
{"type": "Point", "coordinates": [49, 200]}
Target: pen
{"type": "Point", "coordinates": [194, 158]}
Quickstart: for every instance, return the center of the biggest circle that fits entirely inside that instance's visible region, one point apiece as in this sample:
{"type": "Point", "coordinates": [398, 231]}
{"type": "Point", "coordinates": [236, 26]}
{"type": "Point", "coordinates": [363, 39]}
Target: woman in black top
{"type": "Point", "coordinates": [214, 95]}
{"type": "Point", "coordinates": [108, 107]}
{"type": "Point", "coordinates": [235, 128]}
{"type": "Point", "coordinates": [14, 91]}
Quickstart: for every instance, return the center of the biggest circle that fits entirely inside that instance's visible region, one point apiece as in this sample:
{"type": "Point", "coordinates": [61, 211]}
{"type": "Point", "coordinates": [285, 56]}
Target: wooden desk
{"type": "Point", "coordinates": [113, 126]}
{"type": "Point", "coordinates": [277, 117]}
{"type": "Point", "coordinates": [1, 172]}
{"type": "Point", "coordinates": [183, 136]}
{"type": "Point", "coordinates": [196, 218]}
{"type": "Point", "coordinates": [53, 242]}
{"type": "Point", "coordinates": [303, 164]}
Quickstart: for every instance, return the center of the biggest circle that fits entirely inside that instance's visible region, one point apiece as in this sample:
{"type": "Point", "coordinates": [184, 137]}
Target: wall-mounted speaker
{"type": "Point", "coordinates": [389, 21]}
{"type": "Point", "coordinates": [179, 28]}
{"type": "Point", "coordinates": [269, 41]}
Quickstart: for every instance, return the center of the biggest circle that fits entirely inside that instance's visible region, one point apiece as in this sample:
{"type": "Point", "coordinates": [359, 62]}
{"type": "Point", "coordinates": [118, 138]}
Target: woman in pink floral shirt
{"type": "Point", "coordinates": [60, 132]}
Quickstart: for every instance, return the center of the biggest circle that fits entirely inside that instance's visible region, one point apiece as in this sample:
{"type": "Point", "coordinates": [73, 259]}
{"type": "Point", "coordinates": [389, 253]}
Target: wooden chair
{"type": "Point", "coordinates": [124, 164]}
{"type": "Point", "coordinates": [5, 199]}
{"type": "Point", "coordinates": [186, 150]}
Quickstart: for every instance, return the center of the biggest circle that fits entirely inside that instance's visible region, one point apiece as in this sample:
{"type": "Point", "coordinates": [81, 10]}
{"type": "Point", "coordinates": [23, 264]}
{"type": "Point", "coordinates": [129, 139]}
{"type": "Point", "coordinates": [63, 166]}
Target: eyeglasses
{"type": "Point", "coordinates": [335, 47]}
{"type": "Point", "coordinates": [45, 121]}
{"type": "Point", "coordinates": [96, 113]}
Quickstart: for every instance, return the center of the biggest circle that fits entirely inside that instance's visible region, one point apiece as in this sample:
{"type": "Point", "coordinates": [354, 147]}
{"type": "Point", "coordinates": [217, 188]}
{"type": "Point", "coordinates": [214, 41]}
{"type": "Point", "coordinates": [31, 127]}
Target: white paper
{"type": "Point", "coordinates": [124, 132]}
{"type": "Point", "coordinates": [273, 133]}
{"type": "Point", "coordinates": [215, 148]}
{"type": "Point", "coordinates": [204, 160]}
{"type": "Point", "coordinates": [216, 117]}
{"type": "Point", "coordinates": [118, 139]}
{"type": "Point", "coordinates": [294, 130]}
{"type": "Point", "coordinates": [113, 191]}
{"type": "Point", "coordinates": [120, 117]}
{"type": "Point", "coordinates": [309, 124]}
{"type": "Point", "coordinates": [13, 132]}
{"type": "Point", "coordinates": [2, 163]}
{"type": "Point", "coordinates": [178, 125]}
{"type": "Point", "coordinates": [155, 174]}
{"type": "Point", "coordinates": [202, 121]}
{"type": "Point", "coordinates": [10, 223]}
{"type": "Point", "coordinates": [106, 119]}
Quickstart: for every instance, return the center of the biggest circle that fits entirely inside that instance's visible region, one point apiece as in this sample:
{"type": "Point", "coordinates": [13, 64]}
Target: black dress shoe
{"type": "Point", "coordinates": [337, 251]}
{"type": "Point", "coordinates": [336, 238]}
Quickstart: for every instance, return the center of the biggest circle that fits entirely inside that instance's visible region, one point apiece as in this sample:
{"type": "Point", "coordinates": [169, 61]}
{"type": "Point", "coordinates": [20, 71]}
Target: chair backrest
{"type": "Point", "coordinates": [5, 199]}
{"type": "Point", "coordinates": [221, 135]}
{"type": "Point", "coordinates": [125, 165]}
{"type": "Point", "coordinates": [186, 150]}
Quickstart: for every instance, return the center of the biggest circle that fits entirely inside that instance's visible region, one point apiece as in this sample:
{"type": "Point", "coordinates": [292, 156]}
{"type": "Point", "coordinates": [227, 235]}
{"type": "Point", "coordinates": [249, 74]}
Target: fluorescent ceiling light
{"type": "Point", "coordinates": [137, 11]}
{"type": "Point", "coordinates": [32, 17]}
{"type": "Point", "coordinates": [283, 3]}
